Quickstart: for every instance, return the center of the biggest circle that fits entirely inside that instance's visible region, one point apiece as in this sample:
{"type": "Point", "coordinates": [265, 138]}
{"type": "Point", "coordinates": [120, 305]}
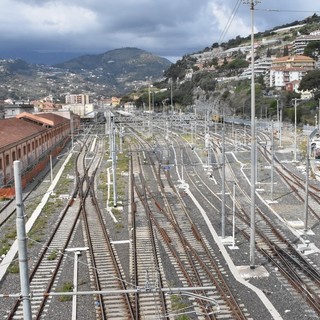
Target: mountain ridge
{"type": "Point", "coordinates": [114, 72]}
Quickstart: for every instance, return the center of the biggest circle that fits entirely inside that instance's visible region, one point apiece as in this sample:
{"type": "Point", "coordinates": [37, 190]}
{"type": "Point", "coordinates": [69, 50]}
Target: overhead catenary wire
{"type": "Point", "coordinates": [226, 28]}
{"type": "Point", "coordinates": [287, 10]}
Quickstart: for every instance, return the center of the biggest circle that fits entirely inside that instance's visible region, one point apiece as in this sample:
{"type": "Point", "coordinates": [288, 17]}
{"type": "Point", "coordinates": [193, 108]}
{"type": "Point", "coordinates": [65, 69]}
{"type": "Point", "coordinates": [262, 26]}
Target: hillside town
{"type": "Point", "coordinates": [280, 60]}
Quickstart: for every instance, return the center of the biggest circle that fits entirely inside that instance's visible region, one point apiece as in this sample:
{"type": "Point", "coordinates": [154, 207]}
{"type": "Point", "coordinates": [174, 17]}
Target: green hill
{"type": "Point", "coordinates": [125, 64]}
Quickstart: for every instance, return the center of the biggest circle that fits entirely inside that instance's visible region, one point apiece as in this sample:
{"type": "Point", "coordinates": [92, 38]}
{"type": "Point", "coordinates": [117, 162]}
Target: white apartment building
{"type": "Point", "coordinates": [77, 99]}
{"type": "Point", "coordinates": [261, 67]}
{"type": "Point", "coordinates": [82, 110]}
{"type": "Point", "coordinates": [302, 41]}
{"type": "Point", "coordinates": [290, 68]}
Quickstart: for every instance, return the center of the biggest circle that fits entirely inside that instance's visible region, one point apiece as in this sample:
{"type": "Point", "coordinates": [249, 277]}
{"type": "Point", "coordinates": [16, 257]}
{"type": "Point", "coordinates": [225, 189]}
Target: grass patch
{"type": "Point", "coordinates": [117, 213]}
{"type": "Point", "coordinates": [14, 267]}
{"type": "Point", "coordinates": [66, 287]}
{"type": "Point", "coordinates": [119, 226]}
{"type": "Point", "coordinates": [4, 247]}
{"type": "Point", "coordinates": [53, 255]}
{"type": "Point", "coordinates": [179, 304]}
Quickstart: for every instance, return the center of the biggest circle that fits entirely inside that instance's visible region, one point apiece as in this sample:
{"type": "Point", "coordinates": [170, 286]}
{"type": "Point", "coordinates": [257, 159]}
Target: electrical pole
{"type": "Point", "coordinates": [272, 160]}
{"type": "Point", "coordinates": [295, 129]}
{"type": "Point", "coordinates": [171, 98]}
{"type": "Point", "coordinates": [223, 192]}
{"type": "Point", "coordinates": [306, 188]}
{"type": "Point", "coordinates": [253, 141]}
{"type": "Point", "coordinates": [278, 118]}
{"type": "Point", "coordinates": [114, 167]}
{"type": "Point", "coordinates": [319, 115]}
{"type": "Point", "coordinates": [234, 216]}
{"type": "Point", "coordinates": [280, 129]}
{"type": "Point", "coordinates": [22, 243]}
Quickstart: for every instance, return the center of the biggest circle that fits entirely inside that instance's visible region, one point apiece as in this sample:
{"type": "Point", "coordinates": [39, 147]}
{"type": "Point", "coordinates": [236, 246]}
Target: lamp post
{"type": "Point", "coordinates": [295, 129]}
{"type": "Point", "coordinates": [171, 96]}
{"type": "Point", "coordinates": [306, 187]}
{"type": "Point", "coordinates": [319, 115]}
{"type": "Point", "coordinates": [253, 140]}
{"type": "Point", "coordinates": [223, 192]}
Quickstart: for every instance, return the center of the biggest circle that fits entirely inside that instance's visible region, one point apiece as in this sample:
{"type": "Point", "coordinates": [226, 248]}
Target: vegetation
{"type": "Point", "coordinates": [53, 255]}
{"type": "Point", "coordinates": [310, 81]}
{"type": "Point", "coordinates": [313, 49]}
{"type": "Point", "coordinates": [179, 306]}
{"type": "Point", "coordinates": [66, 287]}
{"type": "Point", "coordinates": [14, 267]}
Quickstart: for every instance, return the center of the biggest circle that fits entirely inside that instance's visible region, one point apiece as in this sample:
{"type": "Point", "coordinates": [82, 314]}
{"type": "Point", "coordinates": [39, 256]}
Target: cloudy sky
{"type": "Point", "coordinates": [169, 28]}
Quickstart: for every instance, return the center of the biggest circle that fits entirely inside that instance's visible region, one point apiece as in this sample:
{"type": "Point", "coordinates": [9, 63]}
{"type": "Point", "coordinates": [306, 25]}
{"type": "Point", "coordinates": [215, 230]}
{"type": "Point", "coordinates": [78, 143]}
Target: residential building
{"type": "Point", "coordinates": [301, 42]}
{"type": "Point", "coordinates": [288, 69]}
{"type": "Point", "coordinates": [13, 108]}
{"type": "Point", "coordinates": [77, 99]}
{"type": "Point", "coordinates": [261, 67]}
{"type": "Point", "coordinates": [82, 110]}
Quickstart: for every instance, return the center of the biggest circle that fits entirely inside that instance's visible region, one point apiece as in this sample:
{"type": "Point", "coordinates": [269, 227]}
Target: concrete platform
{"type": "Point", "coordinates": [227, 240]}
{"type": "Point", "coordinates": [258, 272]}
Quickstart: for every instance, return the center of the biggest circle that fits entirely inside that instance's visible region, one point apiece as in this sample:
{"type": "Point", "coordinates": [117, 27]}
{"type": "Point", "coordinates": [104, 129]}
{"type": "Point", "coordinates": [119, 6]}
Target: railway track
{"type": "Point", "coordinates": [184, 243]}
{"type": "Point", "coordinates": [105, 270]}
{"type": "Point", "coordinates": [300, 273]}
{"type": "Point", "coordinates": [45, 270]}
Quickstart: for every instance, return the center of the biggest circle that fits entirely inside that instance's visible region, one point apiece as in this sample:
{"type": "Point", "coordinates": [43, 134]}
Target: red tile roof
{"type": "Point", "coordinates": [49, 119]}
{"type": "Point", "coordinates": [14, 129]}
{"type": "Point", "coordinates": [26, 124]}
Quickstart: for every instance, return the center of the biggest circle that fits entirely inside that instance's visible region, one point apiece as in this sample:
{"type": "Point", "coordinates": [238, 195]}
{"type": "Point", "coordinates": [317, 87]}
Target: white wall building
{"type": "Point", "coordinates": [77, 99]}
{"type": "Point", "coordinates": [82, 110]}
{"type": "Point", "coordinates": [290, 68]}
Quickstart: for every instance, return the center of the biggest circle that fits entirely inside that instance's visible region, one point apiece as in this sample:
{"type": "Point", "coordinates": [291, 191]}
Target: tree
{"type": "Point", "coordinates": [215, 61]}
{"type": "Point", "coordinates": [311, 81]}
{"type": "Point", "coordinates": [268, 53]}
{"type": "Point", "coordinates": [285, 51]}
{"type": "Point", "coordinates": [312, 49]}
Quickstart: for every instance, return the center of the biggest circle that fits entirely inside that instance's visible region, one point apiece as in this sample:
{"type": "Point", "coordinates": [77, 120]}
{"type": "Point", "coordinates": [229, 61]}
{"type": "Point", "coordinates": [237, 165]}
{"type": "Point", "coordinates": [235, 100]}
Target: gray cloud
{"type": "Point", "coordinates": [167, 27]}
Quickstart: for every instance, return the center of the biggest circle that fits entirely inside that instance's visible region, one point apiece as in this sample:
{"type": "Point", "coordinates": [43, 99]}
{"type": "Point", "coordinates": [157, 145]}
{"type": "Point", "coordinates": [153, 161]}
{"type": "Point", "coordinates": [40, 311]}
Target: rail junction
{"type": "Point", "coordinates": [149, 220]}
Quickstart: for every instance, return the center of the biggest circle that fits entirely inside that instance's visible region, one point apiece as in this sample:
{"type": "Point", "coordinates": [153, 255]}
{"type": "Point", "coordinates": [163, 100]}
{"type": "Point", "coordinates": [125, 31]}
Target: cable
{"type": "Point", "coordinates": [284, 10]}
{"type": "Point", "coordinates": [234, 11]}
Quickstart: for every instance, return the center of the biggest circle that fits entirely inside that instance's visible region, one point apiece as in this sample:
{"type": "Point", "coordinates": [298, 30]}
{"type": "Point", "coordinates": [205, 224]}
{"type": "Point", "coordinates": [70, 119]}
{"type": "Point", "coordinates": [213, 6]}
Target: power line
{"type": "Point", "coordinates": [226, 28]}
{"type": "Point", "coordinates": [285, 10]}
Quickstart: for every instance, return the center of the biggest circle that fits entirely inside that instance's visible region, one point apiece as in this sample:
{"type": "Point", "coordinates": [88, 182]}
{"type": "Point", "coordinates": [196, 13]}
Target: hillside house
{"type": "Point", "coordinates": [288, 69]}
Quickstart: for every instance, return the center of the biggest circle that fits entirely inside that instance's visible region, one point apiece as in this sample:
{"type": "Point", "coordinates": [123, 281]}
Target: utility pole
{"type": "Point", "coordinates": [319, 115]}
{"type": "Point", "coordinates": [114, 167]}
{"type": "Point", "coordinates": [223, 191]}
{"type": "Point", "coordinates": [51, 172]}
{"type": "Point", "coordinates": [149, 96]}
{"type": "Point", "coordinates": [295, 129]}
{"type": "Point", "coordinates": [306, 202]}
{"type": "Point", "coordinates": [272, 160]}
{"type": "Point", "coordinates": [253, 140]}
{"type": "Point", "coordinates": [22, 243]}
{"type": "Point", "coordinates": [110, 134]}
{"type": "Point", "coordinates": [171, 98]}
{"type": "Point", "coordinates": [280, 129]}
{"type": "Point", "coordinates": [72, 130]}
{"type": "Point", "coordinates": [278, 118]}
{"type": "Point", "coordinates": [234, 216]}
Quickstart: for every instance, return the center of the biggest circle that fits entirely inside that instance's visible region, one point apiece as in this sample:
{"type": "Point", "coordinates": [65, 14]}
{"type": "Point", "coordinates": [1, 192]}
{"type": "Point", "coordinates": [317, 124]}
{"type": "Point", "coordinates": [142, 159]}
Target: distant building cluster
{"type": "Point", "coordinates": [38, 129]}
{"type": "Point", "coordinates": [301, 42]}
{"type": "Point", "coordinates": [278, 72]}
